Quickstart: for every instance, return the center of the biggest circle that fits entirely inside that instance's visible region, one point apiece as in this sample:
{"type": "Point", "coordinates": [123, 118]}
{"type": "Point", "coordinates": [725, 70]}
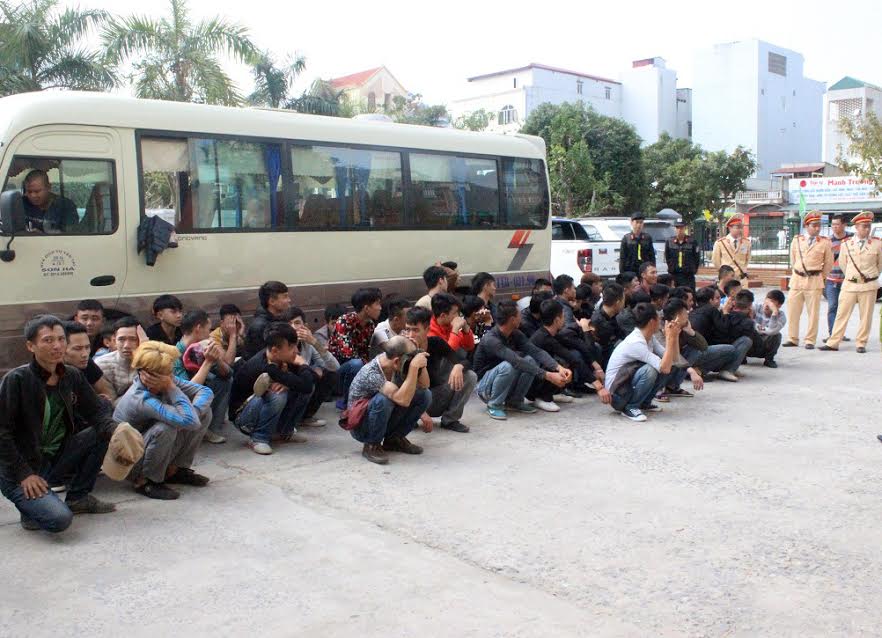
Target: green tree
{"type": "Point", "coordinates": [719, 176]}
{"type": "Point", "coordinates": [177, 59]}
{"type": "Point", "coordinates": [616, 182]}
{"type": "Point", "coordinates": [476, 121]}
{"type": "Point", "coordinates": [865, 144]}
{"type": "Point", "coordinates": [322, 99]}
{"type": "Point", "coordinates": [577, 187]}
{"type": "Point", "coordinates": [41, 48]}
{"type": "Point", "coordinates": [671, 167]}
{"type": "Point", "coordinates": [618, 159]}
{"type": "Point", "coordinates": [272, 82]}
{"type": "Point", "coordinates": [412, 110]}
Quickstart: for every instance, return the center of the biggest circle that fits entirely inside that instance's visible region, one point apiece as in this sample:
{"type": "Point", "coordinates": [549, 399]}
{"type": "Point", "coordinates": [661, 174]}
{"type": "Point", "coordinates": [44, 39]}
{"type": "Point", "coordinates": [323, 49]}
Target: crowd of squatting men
{"type": "Point", "coordinates": [138, 402]}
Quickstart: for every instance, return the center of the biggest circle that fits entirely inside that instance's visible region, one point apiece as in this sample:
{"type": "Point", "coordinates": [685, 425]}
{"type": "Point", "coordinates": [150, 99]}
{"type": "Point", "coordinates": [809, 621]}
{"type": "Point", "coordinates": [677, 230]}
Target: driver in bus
{"type": "Point", "coordinates": [46, 211]}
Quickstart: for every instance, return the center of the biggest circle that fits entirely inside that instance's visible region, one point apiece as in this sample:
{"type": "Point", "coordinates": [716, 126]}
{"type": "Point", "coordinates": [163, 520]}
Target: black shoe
{"type": "Point", "coordinates": [878, 436]}
{"type": "Point", "coordinates": [374, 453]}
{"type": "Point", "coordinates": [186, 476]}
{"type": "Point", "coordinates": [401, 444]}
{"type": "Point", "coordinates": [861, 350]}
{"type": "Point", "coordinates": [846, 339]}
{"type": "Point", "coordinates": [159, 491]}
{"type": "Point", "coordinates": [826, 348]}
{"type": "Point", "coordinates": [90, 505]}
{"type": "Point", "coordinates": [770, 363]}
{"type": "Point", "coordinates": [571, 392]}
{"type": "Point", "coordinates": [809, 346]}
{"type": "Point", "coordinates": [789, 344]}
{"type": "Point", "coordinates": [650, 407]}
{"type": "Point", "coordinates": [455, 426]}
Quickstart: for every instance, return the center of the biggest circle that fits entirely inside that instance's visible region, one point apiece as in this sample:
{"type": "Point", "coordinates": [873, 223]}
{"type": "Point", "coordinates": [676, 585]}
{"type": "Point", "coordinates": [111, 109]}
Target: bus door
{"type": "Point", "coordinates": [69, 240]}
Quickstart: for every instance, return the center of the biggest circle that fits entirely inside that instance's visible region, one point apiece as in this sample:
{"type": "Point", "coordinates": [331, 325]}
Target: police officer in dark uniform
{"type": "Point", "coordinates": [636, 248]}
{"type": "Point", "coordinates": [682, 256]}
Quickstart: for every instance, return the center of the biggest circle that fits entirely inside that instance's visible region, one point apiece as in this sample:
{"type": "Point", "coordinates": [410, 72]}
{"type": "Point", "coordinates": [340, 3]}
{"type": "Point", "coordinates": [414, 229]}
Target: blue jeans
{"type": "Point", "coordinates": [505, 384]}
{"type": "Point", "coordinates": [387, 420]}
{"type": "Point", "coordinates": [719, 358]}
{"type": "Point", "coordinates": [345, 374]}
{"type": "Point", "coordinates": [81, 457]}
{"type": "Point", "coordinates": [831, 291]}
{"type": "Point", "coordinates": [644, 385]}
{"type": "Point", "coordinates": [221, 389]}
{"type": "Point", "coordinates": [742, 346]}
{"type": "Point", "coordinates": [273, 413]}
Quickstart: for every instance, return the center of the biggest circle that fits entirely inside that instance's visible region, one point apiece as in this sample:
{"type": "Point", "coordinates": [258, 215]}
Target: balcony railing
{"type": "Point", "coordinates": [759, 197]}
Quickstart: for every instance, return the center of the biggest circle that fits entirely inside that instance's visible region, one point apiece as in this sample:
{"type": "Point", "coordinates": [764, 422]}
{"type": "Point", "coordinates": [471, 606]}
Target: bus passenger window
{"type": "Point", "coordinates": [526, 193]}
{"type": "Point", "coordinates": [212, 184]}
{"type": "Point", "coordinates": [454, 191]}
{"type": "Point", "coordinates": [339, 187]}
{"type": "Point", "coordinates": [64, 196]}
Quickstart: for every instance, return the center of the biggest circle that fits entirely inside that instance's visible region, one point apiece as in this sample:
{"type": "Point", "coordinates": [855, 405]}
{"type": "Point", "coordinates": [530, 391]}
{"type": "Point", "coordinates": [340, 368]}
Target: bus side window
{"type": "Point", "coordinates": [64, 196]}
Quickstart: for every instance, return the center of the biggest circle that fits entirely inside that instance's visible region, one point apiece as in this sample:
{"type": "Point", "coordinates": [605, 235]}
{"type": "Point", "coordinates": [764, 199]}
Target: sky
{"type": "Point", "coordinates": [433, 47]}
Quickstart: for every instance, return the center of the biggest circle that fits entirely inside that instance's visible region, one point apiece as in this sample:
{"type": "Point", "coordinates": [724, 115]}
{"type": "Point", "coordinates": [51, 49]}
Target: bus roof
{"type": "Point", "coordinates": [27, 110]}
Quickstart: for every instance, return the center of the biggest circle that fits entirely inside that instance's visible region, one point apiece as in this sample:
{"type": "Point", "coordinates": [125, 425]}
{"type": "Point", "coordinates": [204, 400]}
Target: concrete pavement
{"type": "Point", "coordinates": [753, 509]}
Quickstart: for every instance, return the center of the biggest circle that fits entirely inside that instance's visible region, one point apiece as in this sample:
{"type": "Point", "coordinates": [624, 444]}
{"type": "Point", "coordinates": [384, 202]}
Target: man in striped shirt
{"type": "Point", "coordinates": [833, 284]}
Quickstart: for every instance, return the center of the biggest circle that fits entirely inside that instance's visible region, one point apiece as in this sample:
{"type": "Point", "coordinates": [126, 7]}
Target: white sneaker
{"type": "Point", "coordinates": [562, 398]}
{"type": "Point", "coordinates": [547, 406]}
{"type": "Point", "coordinates": [313, 422]}
{"type": "Point", "coordinates": [740, 374]}
{"type": "Point", "coordinates": [212, 437]}
{"type": "Point", "coordinates": [260, 448]}
{"type": "Point", "coordinates": [633, 415]}
{"type": "Point", "coordinates": [262, 384]}
{"type": "Point", "coordinates": [725, 375]}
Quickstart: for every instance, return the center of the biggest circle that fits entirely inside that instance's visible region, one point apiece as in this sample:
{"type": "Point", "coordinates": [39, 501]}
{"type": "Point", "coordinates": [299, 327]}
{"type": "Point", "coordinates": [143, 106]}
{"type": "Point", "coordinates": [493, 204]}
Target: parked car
{"type": "Point", "coordinates": [591, 244]}
{"type": "Point", "coordinates": [605, 235]}
{"type": "Point", "coordinates": [570, 248]}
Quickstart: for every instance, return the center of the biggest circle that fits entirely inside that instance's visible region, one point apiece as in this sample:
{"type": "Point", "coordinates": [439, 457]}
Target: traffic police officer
{"type": "Point", "coordinates": [861, 260]}
{"type": "Point", "coordinates": [733, 249]}
{"type": "Point", "coordinates": [636, 248]}
{"type": "Point", "coordinates": [811, 259]}
{"type": "Point", "coordinates": [682, 256]}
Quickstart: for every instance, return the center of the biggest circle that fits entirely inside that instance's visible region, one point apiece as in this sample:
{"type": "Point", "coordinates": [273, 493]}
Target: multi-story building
{"type": "Point", "coordinates": [511, 95]}
{"type": "Point", "coordinates": [850, 99]}
{"type": "Point", "coordinates": [754, 94]}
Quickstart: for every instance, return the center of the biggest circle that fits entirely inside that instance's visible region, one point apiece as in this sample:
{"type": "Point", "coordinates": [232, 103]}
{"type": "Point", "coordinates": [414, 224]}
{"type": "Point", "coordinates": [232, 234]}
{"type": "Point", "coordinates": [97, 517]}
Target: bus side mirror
{"type": "Point", "coordinates": [11, 208]}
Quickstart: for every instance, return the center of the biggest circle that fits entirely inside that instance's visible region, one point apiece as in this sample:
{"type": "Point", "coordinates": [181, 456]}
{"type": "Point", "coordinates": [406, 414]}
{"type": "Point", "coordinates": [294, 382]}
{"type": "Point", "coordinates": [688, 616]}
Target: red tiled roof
{"type": "Point", "coordinates": [545, 67]}
{"type": "Point", "coordinates": [804, 168]}
{"type": "Point", "coordinates": [356, 79]}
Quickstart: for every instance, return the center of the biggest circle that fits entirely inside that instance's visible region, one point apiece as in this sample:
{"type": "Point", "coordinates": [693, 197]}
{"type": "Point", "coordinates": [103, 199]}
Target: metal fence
{"type": "Point", "coordinates": [770, 239]}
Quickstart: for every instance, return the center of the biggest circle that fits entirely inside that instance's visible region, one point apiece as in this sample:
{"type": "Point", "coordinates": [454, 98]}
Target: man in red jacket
{"type": "Point", "coordinates": [449, 324]}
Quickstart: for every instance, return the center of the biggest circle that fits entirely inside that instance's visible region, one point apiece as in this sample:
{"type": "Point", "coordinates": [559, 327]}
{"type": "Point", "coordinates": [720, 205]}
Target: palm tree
{"type": "Point", "coordinates": [40, 48]}
{"type": "Point", "coordinates": [322, 99]}
{"type": "Point", "coordinates": [175, 59]}
{"type": "Point", "coordinates": [271, 82]}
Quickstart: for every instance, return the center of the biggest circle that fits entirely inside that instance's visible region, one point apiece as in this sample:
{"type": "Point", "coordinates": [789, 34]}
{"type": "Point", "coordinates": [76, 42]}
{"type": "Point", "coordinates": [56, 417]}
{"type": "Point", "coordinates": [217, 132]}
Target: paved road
{"type": "Point", "coordinates": [753, 510]}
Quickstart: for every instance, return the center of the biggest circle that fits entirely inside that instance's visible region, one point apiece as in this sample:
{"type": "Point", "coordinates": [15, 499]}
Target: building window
{"type": "Point", "coordinates": [607, 92]}
{"type": "Point", "coordinates": [579, 84]}
{"type": "Point", "coordinates": [372, 101]}
{"type": "Point", "coordinates": [777, 64]}
{"type": "Point", "coordinates": [515, 83]}
{"type": "Point", "coordinates": [507, 115]}
{"type": "Point", "coordinates": [387, 101]}
{"type": "Point", "coordinates": [689, 128]}
{"type": "Point", "coordinates": [849, 108]}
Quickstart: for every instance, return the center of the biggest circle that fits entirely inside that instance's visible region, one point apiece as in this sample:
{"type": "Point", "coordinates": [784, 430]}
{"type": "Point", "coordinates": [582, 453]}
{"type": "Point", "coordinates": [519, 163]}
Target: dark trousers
{"type": "Point", "coordinates": [831, 291]}
{"type": "Point", "coordinates": [682, 279]}
{"type": "Point", "coordinates": [765, 346]}
{"type": "Point", "coordinates": [323, 390]}
{"type": "Point", "coordinates": [542, 390]}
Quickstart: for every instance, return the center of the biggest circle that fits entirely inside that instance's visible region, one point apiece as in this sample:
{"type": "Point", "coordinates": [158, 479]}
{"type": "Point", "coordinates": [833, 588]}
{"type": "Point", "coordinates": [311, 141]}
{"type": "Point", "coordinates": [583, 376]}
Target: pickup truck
{"type": "Point", "coordinates": [591, 244]}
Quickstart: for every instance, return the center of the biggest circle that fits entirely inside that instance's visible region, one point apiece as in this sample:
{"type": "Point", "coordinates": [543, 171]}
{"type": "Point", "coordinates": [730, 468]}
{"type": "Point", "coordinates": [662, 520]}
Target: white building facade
{"type": "Point", "coordinates": [851, 99]}
{"type": "Point", "coordinates": [754, 94]}
{"type": "Point", "coordinates": [646, 96]}
{"type": "Point", "coordinates": [511, 95]}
